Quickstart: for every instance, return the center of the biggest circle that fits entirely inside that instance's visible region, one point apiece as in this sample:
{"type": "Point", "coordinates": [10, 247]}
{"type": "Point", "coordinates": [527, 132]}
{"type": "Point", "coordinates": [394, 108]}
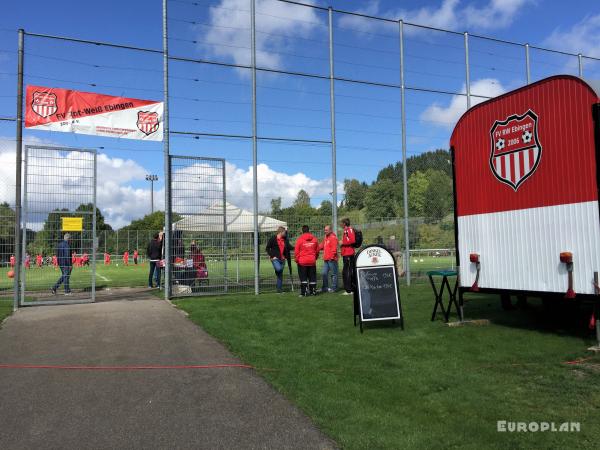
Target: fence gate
{"type": "Point", "coordinates": [199, 239]}
{"type": "Point", "coordinates": [59, 198]}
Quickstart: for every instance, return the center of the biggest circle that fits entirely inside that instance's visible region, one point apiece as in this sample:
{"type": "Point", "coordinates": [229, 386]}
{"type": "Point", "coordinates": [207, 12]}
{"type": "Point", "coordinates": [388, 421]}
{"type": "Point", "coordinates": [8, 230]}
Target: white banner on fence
{"type": "Point", "coordinates": [65, 110]}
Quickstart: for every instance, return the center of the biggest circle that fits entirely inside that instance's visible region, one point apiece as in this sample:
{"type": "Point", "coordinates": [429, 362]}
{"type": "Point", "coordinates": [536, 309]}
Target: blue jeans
{"type": "Point", "coordinates": [279, 266]}
{"type": "Point", "coordinates": [65, 275]}
{"type": "Point", "coordinates": [154, 270]}
{"type": "Point", "coordinates": [330, 266]}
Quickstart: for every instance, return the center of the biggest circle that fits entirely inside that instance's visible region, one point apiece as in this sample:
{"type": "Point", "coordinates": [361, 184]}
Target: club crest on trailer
{"type": "Point", "coordinates": [44, 104]}
{"type": "Point", "coordinates": [515, 148]}
{"type": "Point", "coordinates": [147, 122]}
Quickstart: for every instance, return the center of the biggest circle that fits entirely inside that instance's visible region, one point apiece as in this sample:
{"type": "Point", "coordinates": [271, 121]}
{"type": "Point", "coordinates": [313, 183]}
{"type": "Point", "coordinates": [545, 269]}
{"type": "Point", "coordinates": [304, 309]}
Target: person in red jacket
{"type": "Point", "coordinates": [12, 260]}
{"type": "Point", "coordinates": [306, 254]}
{"type": "Point", "coordinates": [330, 259]}
{"type": "Point", "coordinates": [126, 257]}
{"type": "Point", "coordinates": [135, 256]}
{"type": "Point", "coordinates": [348, 240]}
{"type": "Point", "coordinates": [39, 260]}
{"type": "Point", "coordinates": [55, 261]}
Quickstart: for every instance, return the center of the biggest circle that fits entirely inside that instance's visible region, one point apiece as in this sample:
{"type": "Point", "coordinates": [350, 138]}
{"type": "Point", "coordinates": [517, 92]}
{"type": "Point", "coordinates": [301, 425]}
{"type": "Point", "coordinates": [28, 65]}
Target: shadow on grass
{"type": "Point", "coordinates": [554, 315]}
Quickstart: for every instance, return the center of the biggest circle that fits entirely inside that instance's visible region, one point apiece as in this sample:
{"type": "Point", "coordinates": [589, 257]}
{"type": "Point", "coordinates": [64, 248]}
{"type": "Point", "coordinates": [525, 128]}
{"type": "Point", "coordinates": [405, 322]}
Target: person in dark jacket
{"type": "Point", "coordinates": [306, 254]}
{"type": "Point", "coordinates": [63, 254]}
{"type": "Point", "coordinates": [154, 254]}
{"type": "Point", "coordinates": [278, 249]}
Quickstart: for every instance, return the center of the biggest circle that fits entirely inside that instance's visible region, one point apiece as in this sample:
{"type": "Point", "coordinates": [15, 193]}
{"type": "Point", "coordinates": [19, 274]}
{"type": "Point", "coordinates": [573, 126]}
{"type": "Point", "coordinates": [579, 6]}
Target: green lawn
{"type": "Point", "coordinates": [429, 386]}
{"type": "Point", "coordinates": [6, 306]}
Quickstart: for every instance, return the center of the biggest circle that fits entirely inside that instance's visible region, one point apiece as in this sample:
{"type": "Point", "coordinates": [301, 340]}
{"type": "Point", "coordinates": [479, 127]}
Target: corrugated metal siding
{"type": "Point", "coordinates": [520, 249]}
{"type": "Point", "coordinates": [567, 169]}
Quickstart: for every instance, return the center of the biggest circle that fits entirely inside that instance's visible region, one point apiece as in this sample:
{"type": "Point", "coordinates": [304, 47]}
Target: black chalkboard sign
{"type": "Point", "coordinates": [378, 293]}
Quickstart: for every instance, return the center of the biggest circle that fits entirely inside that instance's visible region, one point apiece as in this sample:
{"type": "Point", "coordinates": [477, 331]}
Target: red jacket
{"type": "Point", "coordinates": [329, 247]}
{"type": "Point", "coordinates": [347, 240]}
{"type": "Point", "coordinates": [307, 250]}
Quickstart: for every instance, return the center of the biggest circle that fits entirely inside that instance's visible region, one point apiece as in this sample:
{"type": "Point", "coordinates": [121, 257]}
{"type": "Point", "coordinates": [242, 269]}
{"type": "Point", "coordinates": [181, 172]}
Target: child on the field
{"type": "Point", "coordinates": [135, 256]}
{"type": "Point", "coordinates": [39, 260]}
{"type": "Point", "coordinates": [126, 257]}
{"type": "Point", "coordinates": [106, 259]}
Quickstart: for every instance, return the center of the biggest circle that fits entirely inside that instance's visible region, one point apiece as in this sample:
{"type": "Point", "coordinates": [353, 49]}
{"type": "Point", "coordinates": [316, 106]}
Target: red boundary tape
{"type": "Point", "coordinates": [152, 367]}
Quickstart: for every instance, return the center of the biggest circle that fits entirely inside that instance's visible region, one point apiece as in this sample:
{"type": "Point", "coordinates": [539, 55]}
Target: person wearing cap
{"type": "Point", "coordinates": [63, 254]}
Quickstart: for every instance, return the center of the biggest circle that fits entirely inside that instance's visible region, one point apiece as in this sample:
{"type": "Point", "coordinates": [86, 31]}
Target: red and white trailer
{"type": "Point", "coordinates": [526, 174]}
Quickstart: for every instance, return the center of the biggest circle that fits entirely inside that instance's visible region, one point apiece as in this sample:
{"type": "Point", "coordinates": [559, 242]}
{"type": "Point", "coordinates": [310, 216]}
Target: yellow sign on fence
{"type": "Point", "coordinates": [72, 223]}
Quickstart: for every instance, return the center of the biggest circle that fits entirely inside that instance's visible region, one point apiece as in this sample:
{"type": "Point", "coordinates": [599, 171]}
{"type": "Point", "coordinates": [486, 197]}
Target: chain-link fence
{"type": "Point", "coordinates": [292, 96]}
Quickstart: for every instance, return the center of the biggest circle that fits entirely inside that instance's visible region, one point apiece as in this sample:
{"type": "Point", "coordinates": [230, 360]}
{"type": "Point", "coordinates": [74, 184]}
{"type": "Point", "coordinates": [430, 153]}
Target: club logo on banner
{"type": "Point", "coordinates": [147, 122]}
{"type": "Point", "coordinates": [515, 149]}
{"type": "Point", "coordinates": [44, 104]}
{"type": "Point", "coordinates": [69, 111]}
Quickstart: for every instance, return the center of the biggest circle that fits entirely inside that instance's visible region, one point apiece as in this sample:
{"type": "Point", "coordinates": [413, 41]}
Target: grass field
{"type": "Point", "coordinates": [41, 279]}
{"type": "Point", "coordinates": [429, 386]}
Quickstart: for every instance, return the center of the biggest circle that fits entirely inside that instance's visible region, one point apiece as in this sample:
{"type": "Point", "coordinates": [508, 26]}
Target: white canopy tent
{"type": "Point", "coordinates": [238, 221]}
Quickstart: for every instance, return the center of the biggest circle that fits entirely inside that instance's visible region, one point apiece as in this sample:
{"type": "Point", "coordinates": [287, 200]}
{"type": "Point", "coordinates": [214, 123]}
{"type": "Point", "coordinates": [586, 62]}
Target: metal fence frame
{"type": "Point", "coordinates": [219, 166]}
{"type": "Point", "coordinates": [25, 209]}
{"type": "Point", "coordinates": [254, 137]}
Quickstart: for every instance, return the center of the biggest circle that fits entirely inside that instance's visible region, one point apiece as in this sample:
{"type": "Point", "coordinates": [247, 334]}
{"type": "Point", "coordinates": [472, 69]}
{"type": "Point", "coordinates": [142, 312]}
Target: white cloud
{"type": "Point", "coordinates": [272, 184]}
{"type": "Point", "coordinates": [450, 14]}
{"type": "Point", "coordinates": [447, 116]}
{"type": "Point", "coordinates": [116, 198]}
{"type": "Point", "coordinates": [583, 37]}
{"type": "Point", "coordinates": [494, 15]}
{"type": "Point", "coordinates": [277, 24]}
{"type": "Point", "coordinates": [121, 202]}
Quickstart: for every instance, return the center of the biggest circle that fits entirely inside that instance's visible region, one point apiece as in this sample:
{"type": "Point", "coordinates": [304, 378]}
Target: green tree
{"type": "Point", "coordinates": [417, 187]}
{"type": "Point", "coordinates": [7, 231]}
{"type": "Point", "coordinates": [355, 194]}
{"type": "Point", "coordinates": [302, 199]}
{"type": "Point", "coordinates": [45, 240]}
{"type": "Point", "coordinates": [438, 195]}
{"type": "Point", "coordinates": [381, 200]}
{"type": "Point", "coordinates": [152, 222]}
{"type": "Point", "coordinates": [326, 208]}
{"type": "Point", "coordinates": [276, 206]}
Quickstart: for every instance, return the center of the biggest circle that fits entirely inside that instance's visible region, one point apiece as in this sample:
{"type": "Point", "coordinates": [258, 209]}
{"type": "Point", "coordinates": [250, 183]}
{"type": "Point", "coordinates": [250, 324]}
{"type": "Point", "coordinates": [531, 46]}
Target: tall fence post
{"type": "Point", "coordinates": [19, 158]}
{"type": "Point", "coordinates": [467, 71]}
{"type": "Point", "coordinates": [334, 211]}
{"type": "Point", "coordinates": [94, 237]}
{"type": "Point", "coordinates": [224, 241]}
{"type": "Point", "coordinates": [167, 168]}
{"type": "Point", "coordinates": [580, 64]}
{"type": "Point", "coordinates": [404, 170]}
{"type": "Point", "coordinates": [527, 66]}
{"type": "Point", "coordinates": [254, 150]}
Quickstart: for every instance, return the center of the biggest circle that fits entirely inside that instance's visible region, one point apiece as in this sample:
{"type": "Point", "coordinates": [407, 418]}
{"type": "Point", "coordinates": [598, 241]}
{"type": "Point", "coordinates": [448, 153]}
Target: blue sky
{"type": "Point", "coordinates": [217, 100]}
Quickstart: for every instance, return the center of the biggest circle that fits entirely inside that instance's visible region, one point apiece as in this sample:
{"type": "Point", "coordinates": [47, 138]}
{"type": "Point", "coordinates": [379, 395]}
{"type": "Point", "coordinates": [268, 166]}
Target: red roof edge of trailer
{"type": "Point", "coordinates": [592, 85]}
